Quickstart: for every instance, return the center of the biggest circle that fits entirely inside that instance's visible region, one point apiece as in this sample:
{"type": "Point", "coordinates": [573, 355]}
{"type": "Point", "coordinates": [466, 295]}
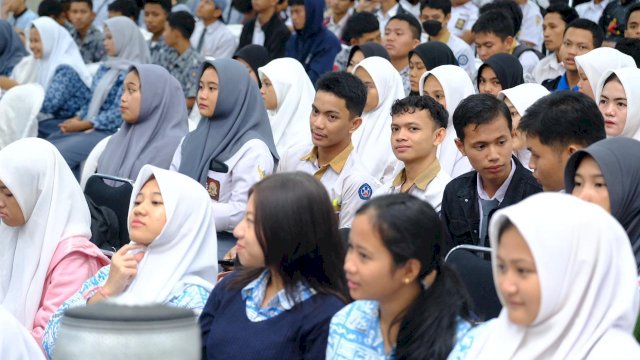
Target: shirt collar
{"type": "Point", "coordinates": [258, 287]}
{"type": "Point", "coordinates": [502, 190]}
{"type": "Point", "coordinates": [422, 180]}
{"type": "Point", "coordinates": [336, 164]}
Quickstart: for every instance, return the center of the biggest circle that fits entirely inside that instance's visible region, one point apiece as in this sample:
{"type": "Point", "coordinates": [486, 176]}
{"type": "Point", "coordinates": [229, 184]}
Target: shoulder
{"type": "Point", "coordinates": [362, 310]}
{"type": "Point", "coordinates": [464, 181]}
{"type": "Point", "coordinates": [471, 337]}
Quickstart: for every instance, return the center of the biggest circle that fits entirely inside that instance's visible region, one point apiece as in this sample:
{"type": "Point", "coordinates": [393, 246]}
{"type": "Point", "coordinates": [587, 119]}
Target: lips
{"type": "Point", "coordinates": [494, 169]}
{"type": "Point", "coordinates": [352, 284]}
{"type": "Point", "coordinates": [318, 136]}
{"type": "Point", "coordinates": [401, 148]}
{"type": "Point", "coordinates": [136, 223]}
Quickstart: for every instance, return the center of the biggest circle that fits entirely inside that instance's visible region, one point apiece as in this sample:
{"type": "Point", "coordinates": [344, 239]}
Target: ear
{"type": "Point", "coordinates": [93, 16]}
{"type": "Point", "coordinates": [460, 146]}
{"type": "Point", "coordinates": [411, 270]}
{"type": "Point", "coordinates": [217, 12]}
{"type": "Point", "coordinates": [353, 41]}
{"type": "Point", "coordinates": [573, 148]}
{"type": "Point", "coordinates": [416, 42]}
{"type": "Point", "coordinates": [446, 20]}
{"type": "Point", "coordinates": [439, 136]}
{"type": "Point", "coordinates": [509, 42]}
{"type": "Point", "coordinates": [355, 124]}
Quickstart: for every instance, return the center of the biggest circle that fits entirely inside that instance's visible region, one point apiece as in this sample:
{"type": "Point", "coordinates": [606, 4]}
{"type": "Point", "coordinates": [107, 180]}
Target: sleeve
{"type": "Point", "coordinates": [193, 297]}
{"type": "Point", "coordinates": [316, 333]}
{"type": "Point", "coordinates": [333, 339]}
{"type": "Point", "coordinates": [464, 343]}
{"type": "Point", "coordinates": [109, 117]}
{"type": "Point", "coordinates": [444, 214]}
{"type": "Point", "coordinates": [226, 46]}
{"type": "Point", "coordinates": [65, 82]}
{"type": "Point", "coordinates": [96, 78]}
{"type": "Point", "coordinates": [529, 60]}
{"type": "Point", "coordinates": [207, 316]}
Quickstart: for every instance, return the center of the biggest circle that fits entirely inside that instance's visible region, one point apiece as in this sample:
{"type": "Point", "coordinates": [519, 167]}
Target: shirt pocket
{"type": "Point", "coordinates": [217, 184]}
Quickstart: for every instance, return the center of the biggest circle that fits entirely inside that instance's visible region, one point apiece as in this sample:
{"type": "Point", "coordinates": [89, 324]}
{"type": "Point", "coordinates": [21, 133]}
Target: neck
{"type": "Point", "coordinates": [400, 63]}
{"type": "Point", "coordinates": [83, 32]}
{"type": "Point", "coordinates": [208, 22]}
{"type": "Point", "coordinates": [275, 281]}
{"type": "Point", "coordinates": [442, 36]}
{"type": "Point", "coordinates": [391, 308]}
{"type": "Point", "coordinates": [182, 46]}
{"type": "Point", "coordinates": [20, 9]}
{"type": "Point", "coordinates": [265, 16]}
{"type": "Point", "coordinates": [492, 186]}
{"type": "Point", "coordinates": [413, 169]}
{"type": "Point", "coordinates": [572, 78]}
{"type": "Point", "coordinates": [157, 36]}
{"type": "Point", "coordinates": [328, 153]}
{"type": "Point", "coordinates": [338, 17]}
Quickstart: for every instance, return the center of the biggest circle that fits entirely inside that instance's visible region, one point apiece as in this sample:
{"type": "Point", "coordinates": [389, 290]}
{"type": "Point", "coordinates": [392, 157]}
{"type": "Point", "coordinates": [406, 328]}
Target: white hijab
{"type": "Point", "coordinates": [588, 284]}
{"type": "Point", "coordinates": [372, 140]}
{"type": "Point", "coordinates": [58, 48]}
{"type": "Point", "coordinates": [630, 79]}
{"type": "Point", "coordinates": [456, 85]}
{"type": "Point", "coordinates": [15, 342]}
{"type": "Point", "coordinates": [54, 209]}
{"type": "Point", "coordinates": [294, 94]}
{"type": "Point", "coordinates": [599, 60]}
{"type": "Point", "coordinates": [185, 252]}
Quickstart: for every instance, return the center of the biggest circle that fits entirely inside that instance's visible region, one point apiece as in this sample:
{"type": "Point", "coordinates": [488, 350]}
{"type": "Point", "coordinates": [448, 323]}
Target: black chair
{"type": "Point", "coordinates": [475, 272]}
{"type": "Point", "coordinates": [113, 193]}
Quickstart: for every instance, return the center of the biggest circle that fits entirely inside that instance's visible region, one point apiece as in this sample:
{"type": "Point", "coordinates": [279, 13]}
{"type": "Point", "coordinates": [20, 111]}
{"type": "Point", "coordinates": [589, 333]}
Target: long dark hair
{"type": "Point", "coordinates": [297, 229]}
{"type": "Point", "coordinates": [410, 229]}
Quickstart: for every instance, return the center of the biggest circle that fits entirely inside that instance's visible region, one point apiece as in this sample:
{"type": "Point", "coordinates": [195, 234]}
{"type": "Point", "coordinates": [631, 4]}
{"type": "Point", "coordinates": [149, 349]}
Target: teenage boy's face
{"type": "Point", "coordinates": [489, 147]}
{"type": "Point", "coordinates": [262, 5]}
{"type": "Point", "coordinates": [553, 27]}
{"type": "Point", "coordinates": [414, 136]}
{"type": "Point", "coordinates": [81, 15]}
{"type": "Point", "coordinates": [488, 44]}
{"type": "Point", "coordinates": [547, 163]}
{"type": "Point", "coordinates": [330, 120]}
{"type": "Point", "coordinates": [340, 7]}
{"type": "Point", "coordinates": [206, 9]}
{"type": "Point", "coordinates": [298, 16]}
{"type": "Point", "coordinates": [154, 18]}
{"type": "Point", "coordinates": [633, 26]}
{"type": "Point", "coordinates": [436, 15]}
{"type": "Point", "coordinates": [575, 42]}
{"type": "Point", "coordinates": [398, 39]}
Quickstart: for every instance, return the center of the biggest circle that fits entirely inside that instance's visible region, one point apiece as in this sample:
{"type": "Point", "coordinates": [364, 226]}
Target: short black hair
{"type": "Point", "coordinates": [296, 2]}
{"type": "Point", "coordinates": [50, 8]}
{"type": "Point", "coordinates": [346, 86]}
{"type": "Point", "coordinates": [165, 4]}
{"type": "Point", "coordinates": [479, 109]}
{"type": "Point", "coordinates": [88, 2]}
{"type": "Point", "coordinates": [444, 5]}
{"type": "Point", "coordinates": [413, 103]}
{"type": "Point", "coordinates": [183, 22]}
{"type": "Point", "coordinates": [633, 8]}
{"type": "Point", "coordinates": [513, 11]}
{"type": "Point", "coordinates": [564, 118]}
{"type": "Point", "coordinates": [359, 24]}
{"type": "Point", "coordinates": [414, 24]}
{"type": "Point", "coordinates": [496, 22]}
{"type": "Point", "coordinates": [596, 32]}
{"type": "Point", "coordinates": [127, 8]}
{"type": "Point", "coordinates": [630, 47]}
{"type": "Point", "coordinates": [567, 13]}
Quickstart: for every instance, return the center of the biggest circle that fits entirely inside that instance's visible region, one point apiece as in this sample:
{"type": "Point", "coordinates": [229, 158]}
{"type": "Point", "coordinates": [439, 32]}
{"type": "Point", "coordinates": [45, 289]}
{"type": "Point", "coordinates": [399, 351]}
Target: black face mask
{"type": "Point", "coordinates": [432, 27]}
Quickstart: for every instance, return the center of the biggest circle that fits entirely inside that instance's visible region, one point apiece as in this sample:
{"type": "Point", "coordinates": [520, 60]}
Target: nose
{"type": "Point", "coordinates": [585, 193]}
{"type": "Point", "coordinates": [506, 284]}
{"type": "Point", "coordinates": [349, 266]}
{"type": "Point", "coordinates": [237, 231]}
{"type": "Point", "coordinates": [493, 154]}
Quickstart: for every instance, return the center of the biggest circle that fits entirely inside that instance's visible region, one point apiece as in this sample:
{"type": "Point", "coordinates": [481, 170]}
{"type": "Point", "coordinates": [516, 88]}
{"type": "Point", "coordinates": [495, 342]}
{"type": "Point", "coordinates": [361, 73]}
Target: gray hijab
{"type": "Point", "coordinates": [131, 49]}
{"type": "Point", "coordinates": [153, 139]}
{"type": "Point", "coordinates": [618, 160]}
{"type": "Point", "coordinates": [11, 48]}
{"type": "Point", "coordinates": [239, 116]}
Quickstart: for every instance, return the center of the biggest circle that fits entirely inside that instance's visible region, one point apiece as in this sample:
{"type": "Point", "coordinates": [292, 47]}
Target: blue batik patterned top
{"type": "Point", "coordinates": [192, 297]}
{"type": "Point", "coordinates": [109, 117]}
{"type": "Point", "coordinates": [66, 94]}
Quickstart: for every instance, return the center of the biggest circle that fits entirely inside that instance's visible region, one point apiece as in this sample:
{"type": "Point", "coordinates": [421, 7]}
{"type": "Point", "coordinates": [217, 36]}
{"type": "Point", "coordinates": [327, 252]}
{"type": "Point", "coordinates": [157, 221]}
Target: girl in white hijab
{"type": "Point", "coordinates": [45, 233]}
{"type": "Point", "coordinates": [15, 342]}
{"type": "Point", "coordinates": [617, 95]}
{"type": "Point", "coordinates": [449, 85]}
{"type": "Point", "coordinates": [518, 99]}
{"type": "Point", "coordinates": [593, 64]}
{"type": "Point", "coordinates": [567, 280]}
{"type": "Point", "coordinates": [288, 94]}
{"type": "Point", "coordinates": [372, 140]}
{"type": "Point", "coordinates": [166, 262]}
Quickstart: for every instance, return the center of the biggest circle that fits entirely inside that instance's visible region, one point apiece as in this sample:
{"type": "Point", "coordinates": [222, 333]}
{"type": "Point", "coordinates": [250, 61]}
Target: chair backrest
{"type": "Point", "coordinates": [476, 274]}
{"type": "Point", "coordinates": [90, 165]}
{"type": "Point", "coordinates": [114, 193]}
{"type": "Point", "coordinates": [19, 108]}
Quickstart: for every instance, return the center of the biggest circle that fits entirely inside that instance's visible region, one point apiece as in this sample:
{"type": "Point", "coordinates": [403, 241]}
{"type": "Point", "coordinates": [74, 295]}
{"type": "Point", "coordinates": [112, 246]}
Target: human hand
{"type": "Point", "coordinates": [75, 124]}
{"type": "Point", "coordinates": [124, 268]}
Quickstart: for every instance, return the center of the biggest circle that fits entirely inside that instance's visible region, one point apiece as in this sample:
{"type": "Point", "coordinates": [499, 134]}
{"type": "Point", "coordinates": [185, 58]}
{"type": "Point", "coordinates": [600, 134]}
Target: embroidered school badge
{"type": "Point", "coordinates": [463, 60]}
{"type": "Point", "coordinates": [213, 188]}
{"type": "Point", "coordinates": [365, 191]}
{"type": "Point", "coordinates": [460, 24]}
{"type": "Point", "coordinates": [260, 172]}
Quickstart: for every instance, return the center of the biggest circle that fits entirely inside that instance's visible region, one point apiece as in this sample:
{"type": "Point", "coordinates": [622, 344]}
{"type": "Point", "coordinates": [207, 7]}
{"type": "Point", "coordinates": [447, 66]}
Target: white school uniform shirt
{"type": "Point", "coordinates": [229, 190]}
{"type": "Point", "coordinates": [464, 54]}
{"type": "Point", "coordinates": [529, 60]}
{"type": "Point", "coordinates": [462, 18]}
{"type": "Point", "coordinates": [384, 19]}
{"type": "Point", "coordinates": [348, 183]}
{"type": "Point", "coordinates": [591, 11]}
{"type": "Point", "coordinates": [548, 68]}
{"type": "Point", "coordinates": [337, 28]}
{"type": "Point", "coordinates": [258, 36]}
{"type": "Point", "coordinates": [218, 42]}
{"type": "Point", "coordinates": [531, 29]}
{"type": "Point", "coordinates": [411, 8]}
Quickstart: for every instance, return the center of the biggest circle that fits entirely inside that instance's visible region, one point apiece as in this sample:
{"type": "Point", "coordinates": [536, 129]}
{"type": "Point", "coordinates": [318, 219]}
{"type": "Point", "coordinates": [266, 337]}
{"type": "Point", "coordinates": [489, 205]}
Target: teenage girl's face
{"type": "Point", "coordinates": [268, 94]}
{"type": "Point", "coordinates": [10, 212]}
{"type": "Point", "coordinates": [590, 185]}
{"type": "Point", "coordinates": [613, 106]}
{"type": "Point", "coordinates": [433, 88]}
{"type": "Point", "coordinates": [355, 60]}
{"type": "Point", "coordinates": [416, 69]}
{"type": "Point", "coordinates": [372, 92]}
{"type": "Point", "coordinates": [488, 82]}
{"type": "Point", "coordinates": [131, 98]}
{"type": "Point", "coordinates": [35, 42]}
{"type": "Point", "coordinates": [517, 278]}
{"type": "Point", "coordinates": [208, 92]}
{"type": "Point", "coordinates": [247, 247]}
{"type": "Point", "coordinates": [583, 84]}
{"type": "Point", "coordinates": [109, 44]}
{"type": "Point", "coordinates": [148, 216]}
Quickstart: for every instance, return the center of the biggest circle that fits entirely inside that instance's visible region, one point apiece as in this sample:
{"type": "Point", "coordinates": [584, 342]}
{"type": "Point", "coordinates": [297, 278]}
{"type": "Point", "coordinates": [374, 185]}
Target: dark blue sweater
{"type": "Point", "coordinates": [299, 333]}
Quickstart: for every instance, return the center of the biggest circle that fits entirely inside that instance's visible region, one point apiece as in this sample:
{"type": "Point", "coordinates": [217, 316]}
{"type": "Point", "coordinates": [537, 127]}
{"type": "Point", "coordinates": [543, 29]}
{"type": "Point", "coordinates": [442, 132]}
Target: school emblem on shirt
{"type": "Point", "coordinates": [213, 188]}
{"type": "Point", "coordinates": [460, 23]}
{"type": "Point", "coordinates": [260, 172]}
{"type": "Point", "coordinates": [463, 60]}
{"type": "Point", "coordinates": [365, 191]}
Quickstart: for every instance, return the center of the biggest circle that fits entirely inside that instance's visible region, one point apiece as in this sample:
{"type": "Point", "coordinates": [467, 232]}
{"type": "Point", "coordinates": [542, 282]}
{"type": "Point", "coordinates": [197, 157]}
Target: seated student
{"type": "Point", "coordinates": [266, 29]}
{"type": "Point", "coordinates": [556, 19]}
{"type": "Point", "coordinates": [542, 317]}
{"type": "Point", "coordinates": [232, 148]}
{"type": "Point", "coordinates": [45, 232]}
{"type": "Point", "coordinates": [155, 19]}
{"type": "Point", "coordinates": [361, 52]}
{"type": "Point", "coordinates": [336, 114]}
{"type": "Point", "coordinates": [88, 38]}
{"type": "Point", "coordinates": [211, 37]}
{"type": "Point", "coordinates": [580, 37]}
{"type": "Point", "coordinates": [185, 67]}
{"type": "Point", "coordinates": [15, 341]}
{"type": "Point", "coordinates": [425, 57]}
{"type": "Point", "coordinates": [494, 33]}
{"type": "Point", "coordinates": [339, 13]}
{"type": "Point", "coordinates": [312, 44]}
{"type": "Point", "coordinates": [485, 136]}
{"type": "Point", "coordinates": [361, 28]}
{"type": "Point", "coordinates": [448, 85]}
{"type": "Point", "coordinates": [21, 16]}
{"type": "Point", "coordinates": [288, 94]}
{"type": "Point", "coordinates": [401, 35]}
{"type": "Point", "coordinates": [555, 127]}
{"type": "Point", "coordinates": [593, 64]}
{"type": "Point", "coordinates": [253, 57]}
{"type": "Point", "coordinates": [630, 47]}
{"type": "Point", "coordinates": [54, 10]}
{"type": "Point", "coordinates": [500, 72]}
{"type": "Point", "coordinates": [616, 96]}
{"type": "Point", "coordinates": [518, 99]}
{"type": "Point", "coordinates": [291, 282]}
{"type": "Point", "coordinates": [613, 21]}
{"type": "Point", "coordinates": [125, 46]}
{"type": "Point", "coordinates": [409, 303]}
{"type": "Point", "coordinates": [166, 261]}
{"type": "Point", "coordinates": [632, 31]}
{"type": "Point", "coordinates": [435, 16]}
{"type": "Point", "coordinates": [155, 120]}
{"type": "Point", "coordinates": [371, 139]}
{"type": "Point", "coordinates": [418, 126]}
{"type": "Point", "coordinates": [11, 52]}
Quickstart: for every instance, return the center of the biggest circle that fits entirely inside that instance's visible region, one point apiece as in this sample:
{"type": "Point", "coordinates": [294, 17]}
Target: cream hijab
{"type": "Point", "coordinates": [294, 94]}
{"type": "Point", "coordinates": [597, 61]}
{"type": "Point", "coordinates": [588, 284]}
{"type": "Point", "coordinates": [456, 85]}
{"type": "Point", "coordinates": [54, 209]}
{"type": "Point", "coordinates": [185, 252]}
{"type": "Point", "coordinates": [630, 79]}
{"type": "Point", "coordinates": [372, 140]}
